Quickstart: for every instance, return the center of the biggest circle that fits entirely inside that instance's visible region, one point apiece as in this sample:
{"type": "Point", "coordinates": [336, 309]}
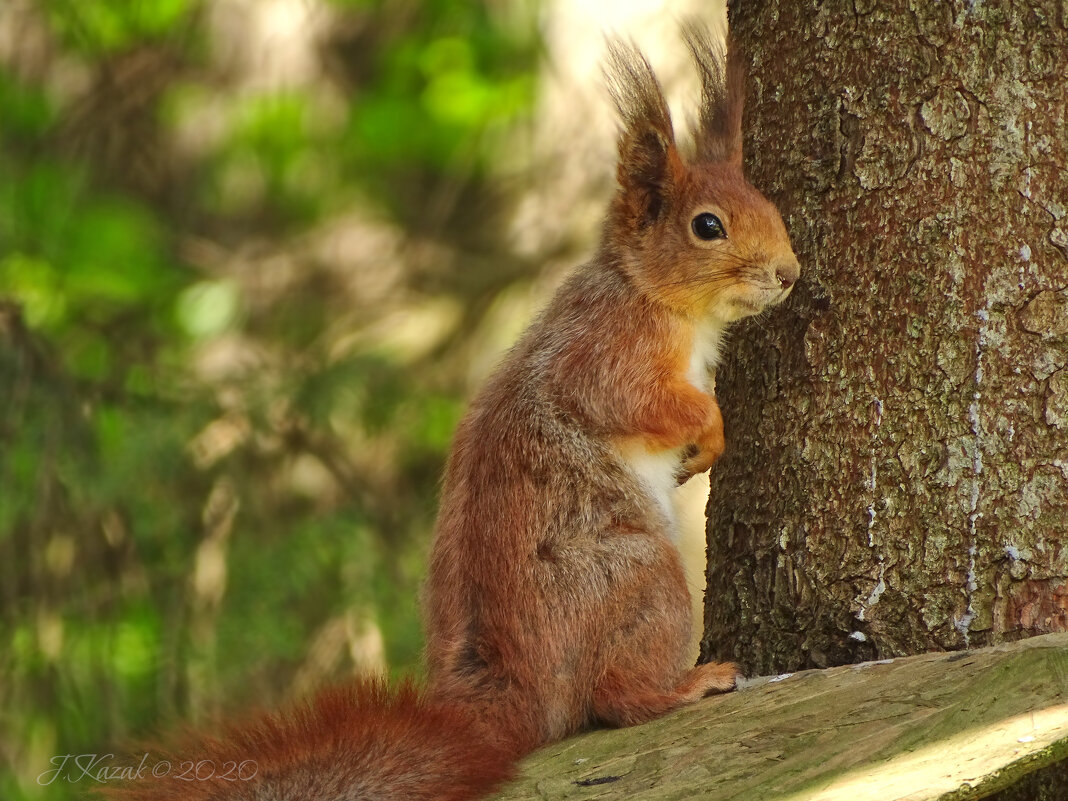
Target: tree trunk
{"type": "Point", "coordinates": [896, 475]}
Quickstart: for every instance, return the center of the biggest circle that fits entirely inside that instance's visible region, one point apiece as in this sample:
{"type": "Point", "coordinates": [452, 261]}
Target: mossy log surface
{"type": "Point", "coordinates": [947, 726]}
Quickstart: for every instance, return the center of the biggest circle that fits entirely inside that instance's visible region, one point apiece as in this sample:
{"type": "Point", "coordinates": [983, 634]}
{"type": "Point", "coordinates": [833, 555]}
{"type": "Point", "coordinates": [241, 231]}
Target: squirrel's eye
{"type": "Point", "coordinates": [708, 226]}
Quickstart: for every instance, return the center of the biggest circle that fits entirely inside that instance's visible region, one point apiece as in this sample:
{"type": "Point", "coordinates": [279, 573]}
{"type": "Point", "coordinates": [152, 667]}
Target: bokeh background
{"type": "Point", "coordinates": [254, 256]}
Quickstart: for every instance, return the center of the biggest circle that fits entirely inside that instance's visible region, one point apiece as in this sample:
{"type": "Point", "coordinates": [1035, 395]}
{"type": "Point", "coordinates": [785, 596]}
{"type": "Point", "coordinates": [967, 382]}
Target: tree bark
{"type": "Point", "coordinates": [896, 475]}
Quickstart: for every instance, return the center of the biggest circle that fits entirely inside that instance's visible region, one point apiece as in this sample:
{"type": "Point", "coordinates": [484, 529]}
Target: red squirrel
{"type": "Point", "coordinates": [555, 599]}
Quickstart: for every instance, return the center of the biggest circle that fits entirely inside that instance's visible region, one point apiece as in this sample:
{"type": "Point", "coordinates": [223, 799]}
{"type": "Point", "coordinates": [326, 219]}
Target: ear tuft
{"type": "Point", "coordinates": [719, 129]}
{"type": "Point", "coordinates": [635, 90]}
{"type": "Point", "coordinates": [646, 143]}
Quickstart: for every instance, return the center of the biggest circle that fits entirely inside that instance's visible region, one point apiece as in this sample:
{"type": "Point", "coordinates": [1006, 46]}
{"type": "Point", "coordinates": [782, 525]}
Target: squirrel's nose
{"type": "Point", "coordinates": [787, 273]}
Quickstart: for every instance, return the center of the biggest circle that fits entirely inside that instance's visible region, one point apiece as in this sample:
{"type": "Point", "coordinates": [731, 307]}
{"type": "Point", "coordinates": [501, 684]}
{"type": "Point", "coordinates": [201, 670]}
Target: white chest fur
{"type": "Point", "coordinates": [704, 356]}
{"type": "Point", "coordinates": [657, 470]}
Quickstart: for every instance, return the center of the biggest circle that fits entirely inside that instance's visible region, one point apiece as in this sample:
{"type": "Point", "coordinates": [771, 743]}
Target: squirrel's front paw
{"type": "Point", "coordinates": [698, 459]}
{"type": "Point", "coordinates": [685, 470]}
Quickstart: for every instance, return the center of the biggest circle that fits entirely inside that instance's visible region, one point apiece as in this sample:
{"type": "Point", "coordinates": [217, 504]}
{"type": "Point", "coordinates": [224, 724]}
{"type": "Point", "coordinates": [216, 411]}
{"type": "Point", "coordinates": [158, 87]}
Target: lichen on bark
{"type": "Point", "coordinates": [896, 475]}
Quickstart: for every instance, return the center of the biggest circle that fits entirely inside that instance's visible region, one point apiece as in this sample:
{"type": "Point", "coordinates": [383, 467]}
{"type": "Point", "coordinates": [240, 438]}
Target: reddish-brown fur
{"type": "Point", "coordinates": [555, 598]}
{"type": "Point", "coordinates": [359, 741]}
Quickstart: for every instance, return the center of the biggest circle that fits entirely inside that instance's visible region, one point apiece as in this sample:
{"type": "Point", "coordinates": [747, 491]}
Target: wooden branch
{"type": "Point", "coordinates": [935, 727]}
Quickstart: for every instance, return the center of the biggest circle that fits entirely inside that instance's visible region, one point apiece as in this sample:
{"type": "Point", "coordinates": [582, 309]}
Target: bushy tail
{"type": "Point", "coordinates": [362, 741]}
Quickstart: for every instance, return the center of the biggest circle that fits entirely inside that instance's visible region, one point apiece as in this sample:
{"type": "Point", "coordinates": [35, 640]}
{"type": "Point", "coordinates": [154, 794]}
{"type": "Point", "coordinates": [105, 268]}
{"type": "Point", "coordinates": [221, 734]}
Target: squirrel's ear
{"type": "Point", "coordinates": [719, 127]}
{"type": "Point", "coordinates": [648, 160]}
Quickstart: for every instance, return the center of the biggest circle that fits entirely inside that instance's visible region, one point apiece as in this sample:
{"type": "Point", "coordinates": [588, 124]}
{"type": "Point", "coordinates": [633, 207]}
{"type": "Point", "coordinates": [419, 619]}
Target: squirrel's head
{"type": "Point", "coordinates": [693, 233]}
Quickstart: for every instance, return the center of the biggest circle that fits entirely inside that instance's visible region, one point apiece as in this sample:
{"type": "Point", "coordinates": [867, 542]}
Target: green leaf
{"type": "Point", "coordinates": [209, 308]}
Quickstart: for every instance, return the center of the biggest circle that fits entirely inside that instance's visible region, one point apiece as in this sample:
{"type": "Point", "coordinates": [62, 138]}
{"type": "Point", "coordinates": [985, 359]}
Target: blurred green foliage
{"type": "Point", "coordinates": [225, 395]}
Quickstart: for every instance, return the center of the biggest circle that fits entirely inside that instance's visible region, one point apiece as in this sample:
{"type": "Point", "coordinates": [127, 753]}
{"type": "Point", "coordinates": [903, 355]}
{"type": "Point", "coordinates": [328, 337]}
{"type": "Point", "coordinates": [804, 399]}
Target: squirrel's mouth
{"type": "Point", "coordinates": [752, 306]}
{"type": "Point", "coordinates": [784, 293]}
{"type": "Point", "coordinates": [747, 307]}
{"type": "Point", "coordinates": [778, 293]}
{"type": "Point", "coordinates": [759, 299]}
